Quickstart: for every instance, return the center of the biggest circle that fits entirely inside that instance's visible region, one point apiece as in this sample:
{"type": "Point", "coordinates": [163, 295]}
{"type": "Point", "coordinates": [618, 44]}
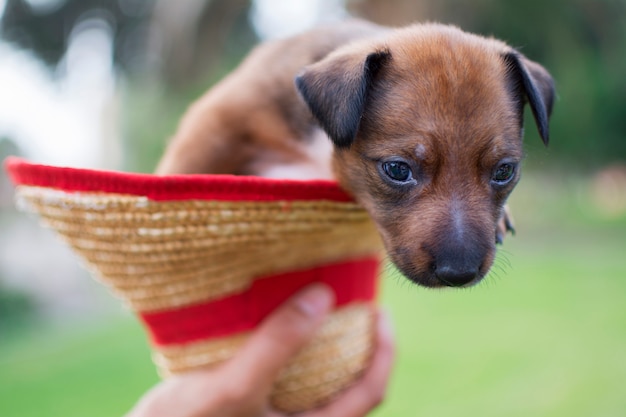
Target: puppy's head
{"type": "Point", "coordinates": [427, 128]}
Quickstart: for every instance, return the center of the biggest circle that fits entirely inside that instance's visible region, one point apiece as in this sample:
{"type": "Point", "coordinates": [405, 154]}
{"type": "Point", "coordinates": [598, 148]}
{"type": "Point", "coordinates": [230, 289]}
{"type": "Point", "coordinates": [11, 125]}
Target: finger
{"type": "Point", "coordinates": [280, 337]}
{"type": "Point", "coordinates": [361, 398]}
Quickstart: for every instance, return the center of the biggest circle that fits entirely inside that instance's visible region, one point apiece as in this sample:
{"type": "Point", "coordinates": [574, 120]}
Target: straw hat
{"type": "Point", "coordinates": [202, 259]}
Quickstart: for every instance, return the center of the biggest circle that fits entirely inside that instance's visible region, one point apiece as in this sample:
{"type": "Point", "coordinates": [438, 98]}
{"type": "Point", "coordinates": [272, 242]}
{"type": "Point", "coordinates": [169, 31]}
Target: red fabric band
{"type": "Point", "coordinates": [173, 187]}
{"type": "Point", "coordinates": [351, 281]}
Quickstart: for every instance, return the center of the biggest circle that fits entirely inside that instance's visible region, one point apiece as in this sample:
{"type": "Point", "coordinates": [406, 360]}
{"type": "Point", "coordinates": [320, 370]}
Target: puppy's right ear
{"type": "Point", "coordinates": [336, 90]}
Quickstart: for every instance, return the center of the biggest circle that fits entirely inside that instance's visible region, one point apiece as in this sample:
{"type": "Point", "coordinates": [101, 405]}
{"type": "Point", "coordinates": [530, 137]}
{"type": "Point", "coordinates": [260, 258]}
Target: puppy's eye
{"type": "Point", "coordinates": [503, 173]}
{"type": "Point", "coordinates": [398, 171]}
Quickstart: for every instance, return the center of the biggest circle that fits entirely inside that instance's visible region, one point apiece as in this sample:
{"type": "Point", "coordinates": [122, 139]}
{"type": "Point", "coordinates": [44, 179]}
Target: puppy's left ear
{"type": "Point", "coordinates": [534, 84]}
{"type": "Point", "coordinates": [336, 90]}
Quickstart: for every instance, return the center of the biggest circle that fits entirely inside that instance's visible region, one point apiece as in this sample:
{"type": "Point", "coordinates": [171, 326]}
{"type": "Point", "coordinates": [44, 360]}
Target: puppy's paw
{"type": "Point", "coordinates": [505, 224]}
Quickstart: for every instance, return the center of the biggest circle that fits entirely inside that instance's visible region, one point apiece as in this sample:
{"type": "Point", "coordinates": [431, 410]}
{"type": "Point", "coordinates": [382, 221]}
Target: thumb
{"type": "Point", "coordinates": [281, 336]}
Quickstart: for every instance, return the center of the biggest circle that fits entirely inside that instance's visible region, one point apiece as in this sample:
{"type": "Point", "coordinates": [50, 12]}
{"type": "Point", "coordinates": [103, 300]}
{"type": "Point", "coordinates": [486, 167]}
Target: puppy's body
{"type": "Point", "coordinates": [422, 125]}
{"type": "Point", "coordinates": [254, 122]}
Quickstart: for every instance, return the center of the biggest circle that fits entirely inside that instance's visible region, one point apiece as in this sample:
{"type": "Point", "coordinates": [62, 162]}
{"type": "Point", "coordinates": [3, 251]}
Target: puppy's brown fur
{"type": "Point", "coordinates": [425, 124]}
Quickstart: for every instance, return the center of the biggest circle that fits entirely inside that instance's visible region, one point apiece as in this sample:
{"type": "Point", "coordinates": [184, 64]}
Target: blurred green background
{"type": "Point", "coordinates": [543, 335]}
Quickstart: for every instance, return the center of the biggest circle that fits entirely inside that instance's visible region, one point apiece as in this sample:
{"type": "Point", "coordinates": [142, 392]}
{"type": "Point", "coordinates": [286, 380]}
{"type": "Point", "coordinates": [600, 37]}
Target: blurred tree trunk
{"type": "Point", "coordinates": [190, 38]}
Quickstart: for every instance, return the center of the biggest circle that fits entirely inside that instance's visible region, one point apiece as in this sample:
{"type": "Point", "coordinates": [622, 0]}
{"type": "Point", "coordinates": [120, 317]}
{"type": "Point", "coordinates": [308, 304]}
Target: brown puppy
{"type": "Point", "coordinates": [425, 124]}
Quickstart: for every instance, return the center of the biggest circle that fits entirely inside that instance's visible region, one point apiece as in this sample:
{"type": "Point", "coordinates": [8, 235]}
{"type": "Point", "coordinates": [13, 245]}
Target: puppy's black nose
{"type": "Point", "coordinates": [453, 276]}
{"type": "Point", "coordinates": [458, 258]}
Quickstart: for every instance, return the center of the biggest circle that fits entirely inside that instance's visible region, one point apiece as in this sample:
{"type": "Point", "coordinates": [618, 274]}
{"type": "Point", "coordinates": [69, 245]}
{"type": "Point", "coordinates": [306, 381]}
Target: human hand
{"type": "Point", "coordinates": [241, 387]}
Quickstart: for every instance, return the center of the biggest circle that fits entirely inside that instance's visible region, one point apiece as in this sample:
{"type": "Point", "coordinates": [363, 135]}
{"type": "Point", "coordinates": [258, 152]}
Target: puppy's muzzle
{"type": "Point", "coordinates": [447, 257]}
{"type": "Point", "coordinates": [459, 255]}
{"type": "Point", "coordinates": [458, 264]}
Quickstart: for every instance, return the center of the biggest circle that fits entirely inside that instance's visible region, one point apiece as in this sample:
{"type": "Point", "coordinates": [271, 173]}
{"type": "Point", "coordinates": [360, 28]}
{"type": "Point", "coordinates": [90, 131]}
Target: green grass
{"type": "Point", "coordinates": [543, 335]}
{"type": "Point", "coordinates": [96, 370]}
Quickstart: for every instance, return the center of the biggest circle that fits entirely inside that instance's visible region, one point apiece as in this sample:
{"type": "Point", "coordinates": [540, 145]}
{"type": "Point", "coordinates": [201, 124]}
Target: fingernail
{"type": "Point", "coordinates": [315, 300]}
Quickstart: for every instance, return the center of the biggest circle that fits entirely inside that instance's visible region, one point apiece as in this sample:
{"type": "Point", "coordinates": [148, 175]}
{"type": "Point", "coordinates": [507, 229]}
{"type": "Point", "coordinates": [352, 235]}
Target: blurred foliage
{"type": "Point", "coordinates": [16, 309]}
{"type": "Point", "coordinates": [581, 42]}
{"type": "Point", "coordinates": [45, 27]}
{"type": "Point", "coordinates": [8, 147]}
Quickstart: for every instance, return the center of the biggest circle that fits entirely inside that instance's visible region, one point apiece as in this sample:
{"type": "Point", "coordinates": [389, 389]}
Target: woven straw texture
{"type": "Point", "coordinates": [336, 357]}
{"type": "Point", "coordinates": [166, 255]}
